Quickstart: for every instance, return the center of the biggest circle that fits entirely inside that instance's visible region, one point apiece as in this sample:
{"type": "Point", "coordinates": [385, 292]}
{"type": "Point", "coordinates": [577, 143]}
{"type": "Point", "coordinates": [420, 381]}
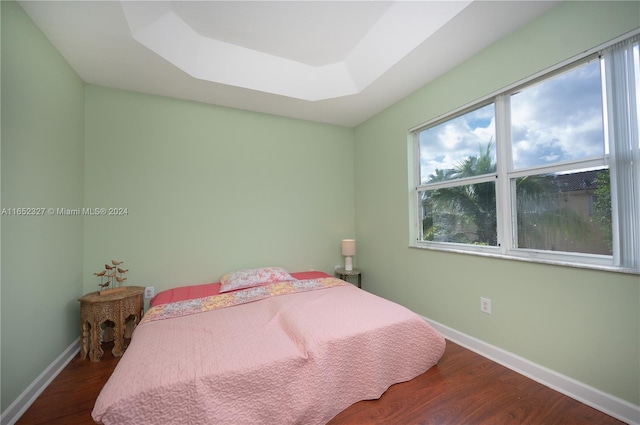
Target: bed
{"type": "Point", "coordinates": [295, 351]}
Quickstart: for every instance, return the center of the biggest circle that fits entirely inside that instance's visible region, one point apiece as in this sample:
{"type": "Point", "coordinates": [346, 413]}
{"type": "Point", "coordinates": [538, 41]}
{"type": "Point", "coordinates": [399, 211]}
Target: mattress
{"type": "Point", "coordinates": [285, 353]}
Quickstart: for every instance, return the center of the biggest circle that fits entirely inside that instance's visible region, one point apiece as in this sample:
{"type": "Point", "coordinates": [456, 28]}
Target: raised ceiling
{"type": "Point", "coordinates": [337, 62]}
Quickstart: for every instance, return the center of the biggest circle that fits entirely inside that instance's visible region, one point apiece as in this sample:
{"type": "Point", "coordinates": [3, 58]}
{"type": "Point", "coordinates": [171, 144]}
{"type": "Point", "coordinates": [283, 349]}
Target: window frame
{"type": "Point", "coordinates": [419, 187]}
{"type": "Point", "coordinates": [505, 176]}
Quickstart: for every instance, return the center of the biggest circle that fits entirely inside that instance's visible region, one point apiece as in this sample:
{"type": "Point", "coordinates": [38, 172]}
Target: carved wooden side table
{"type": "Point", "coordinates": [124, 309]}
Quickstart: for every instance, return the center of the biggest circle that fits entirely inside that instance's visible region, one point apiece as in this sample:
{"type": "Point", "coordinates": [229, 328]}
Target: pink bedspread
{"type": "Point", "coordinates": [299, 358]}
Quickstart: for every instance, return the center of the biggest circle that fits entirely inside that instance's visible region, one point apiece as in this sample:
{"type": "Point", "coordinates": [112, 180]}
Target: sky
{"type": "Point", "coordinates": [559, 119]}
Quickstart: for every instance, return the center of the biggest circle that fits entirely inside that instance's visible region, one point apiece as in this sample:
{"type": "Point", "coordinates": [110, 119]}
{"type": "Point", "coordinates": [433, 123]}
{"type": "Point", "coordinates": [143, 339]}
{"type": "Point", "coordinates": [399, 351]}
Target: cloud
{"type": "Point", "coordinates": [446, 145]}
{"type": "Point", "coordinates": [559, 119]}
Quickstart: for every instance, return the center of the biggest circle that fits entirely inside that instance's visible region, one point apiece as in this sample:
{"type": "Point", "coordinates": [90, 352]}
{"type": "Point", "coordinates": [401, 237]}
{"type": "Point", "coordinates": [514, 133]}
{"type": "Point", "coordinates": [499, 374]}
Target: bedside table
{"type": "Point", "coordinates": [124, 309]}
{"type": "Point", "coordinates": [343, 274]}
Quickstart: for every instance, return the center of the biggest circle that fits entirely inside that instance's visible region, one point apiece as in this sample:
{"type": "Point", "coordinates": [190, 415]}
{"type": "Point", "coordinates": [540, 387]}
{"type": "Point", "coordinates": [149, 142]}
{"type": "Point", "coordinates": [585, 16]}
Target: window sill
{"type": "Point", "coordinates": [598, 267]}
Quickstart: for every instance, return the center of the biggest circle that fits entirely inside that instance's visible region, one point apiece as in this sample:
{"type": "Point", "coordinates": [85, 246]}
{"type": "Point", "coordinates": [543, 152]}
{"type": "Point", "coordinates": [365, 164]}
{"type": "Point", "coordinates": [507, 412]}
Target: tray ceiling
{"type": "Point", "coordinates": [337, 62]}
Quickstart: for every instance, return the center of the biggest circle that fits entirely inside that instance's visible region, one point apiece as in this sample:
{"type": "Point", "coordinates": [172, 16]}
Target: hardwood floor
{"type": "Point", "coordinates": [463, 389]}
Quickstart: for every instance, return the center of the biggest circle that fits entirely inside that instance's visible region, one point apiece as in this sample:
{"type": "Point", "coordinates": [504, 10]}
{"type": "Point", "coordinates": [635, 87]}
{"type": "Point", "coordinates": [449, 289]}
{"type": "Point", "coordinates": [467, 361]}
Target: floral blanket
{"type": "Point", "coordinates": [228, 299]}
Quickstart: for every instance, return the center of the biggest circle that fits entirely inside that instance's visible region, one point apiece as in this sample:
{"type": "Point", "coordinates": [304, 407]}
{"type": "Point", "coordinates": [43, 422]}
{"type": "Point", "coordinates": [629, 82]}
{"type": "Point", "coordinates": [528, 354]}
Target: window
{"type": "Point", "coordinates": [457, 179]}
{"type": "Point", "coordinates": [558, 150]}
{"type": "Point", "coordinates": [548, 169]}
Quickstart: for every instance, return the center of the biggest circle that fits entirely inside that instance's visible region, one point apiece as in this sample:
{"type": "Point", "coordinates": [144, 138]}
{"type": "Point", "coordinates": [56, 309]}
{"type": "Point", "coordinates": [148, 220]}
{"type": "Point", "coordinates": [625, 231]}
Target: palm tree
{"type": "Point", "coordinates": [469, 209]}
{"type": "Point", "coordinates": [467, 213]}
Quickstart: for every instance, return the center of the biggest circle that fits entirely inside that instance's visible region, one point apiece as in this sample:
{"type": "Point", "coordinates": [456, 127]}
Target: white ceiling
{"type": "Point", "coordinates": [336, 62]}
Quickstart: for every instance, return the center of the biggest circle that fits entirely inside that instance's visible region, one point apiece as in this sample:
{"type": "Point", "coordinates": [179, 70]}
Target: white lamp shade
{"type": "Point", "coordinates": [348, 247]}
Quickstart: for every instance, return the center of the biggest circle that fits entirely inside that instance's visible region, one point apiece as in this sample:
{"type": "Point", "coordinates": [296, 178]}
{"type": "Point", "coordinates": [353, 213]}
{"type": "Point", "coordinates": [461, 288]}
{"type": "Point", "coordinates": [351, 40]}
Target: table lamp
{"type": "Point", "coordinates": [348, 250]}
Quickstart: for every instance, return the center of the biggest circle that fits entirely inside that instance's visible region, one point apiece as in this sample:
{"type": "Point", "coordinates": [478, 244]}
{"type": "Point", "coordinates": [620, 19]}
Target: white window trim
{"type": "Point", "coordinates": [506, 248]}
{"type": "Point", "coordinates": [529, 259]}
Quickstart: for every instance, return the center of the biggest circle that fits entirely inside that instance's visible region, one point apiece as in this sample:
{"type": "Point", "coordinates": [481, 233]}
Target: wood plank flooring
{"type": "Point", "coordinates": [463, 389]}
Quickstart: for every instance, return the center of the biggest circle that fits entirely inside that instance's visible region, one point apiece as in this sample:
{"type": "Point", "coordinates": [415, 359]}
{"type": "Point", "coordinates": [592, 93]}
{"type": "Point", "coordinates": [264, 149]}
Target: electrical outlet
{"type": "Point", "coordinates": [149, 292]}
{"type": "Point", "coordinates": [336, 267]}
{"type": "Point", "coordinates": [485, 305]}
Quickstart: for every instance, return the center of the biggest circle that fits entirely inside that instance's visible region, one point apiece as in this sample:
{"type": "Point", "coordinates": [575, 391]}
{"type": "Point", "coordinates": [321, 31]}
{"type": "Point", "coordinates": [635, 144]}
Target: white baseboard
{"type": "Point", "coordinates": [20, 405]}
{"type": "Point", "coordinates": [607, 403]}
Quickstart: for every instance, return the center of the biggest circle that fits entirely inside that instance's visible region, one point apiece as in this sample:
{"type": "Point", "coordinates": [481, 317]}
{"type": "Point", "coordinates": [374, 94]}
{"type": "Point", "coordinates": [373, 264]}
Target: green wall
{"type": "Point", "coordinates": [207, 190]}
{"type": "Point", "coordinates": [42, 166]}
{"type": "Point", "coordinates": [582, 323]}
{"type": "Point", "coordinates": [211, 190]}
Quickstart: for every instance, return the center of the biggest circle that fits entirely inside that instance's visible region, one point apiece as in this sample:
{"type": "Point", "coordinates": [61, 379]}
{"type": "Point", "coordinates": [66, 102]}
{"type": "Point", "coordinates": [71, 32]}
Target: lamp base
{"type": "Point", "coordinates": [348, 263]}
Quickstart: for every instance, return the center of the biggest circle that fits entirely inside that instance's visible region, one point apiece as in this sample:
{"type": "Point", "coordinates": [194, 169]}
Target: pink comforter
{"type": "Point", "coordinates": [299, 358]}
